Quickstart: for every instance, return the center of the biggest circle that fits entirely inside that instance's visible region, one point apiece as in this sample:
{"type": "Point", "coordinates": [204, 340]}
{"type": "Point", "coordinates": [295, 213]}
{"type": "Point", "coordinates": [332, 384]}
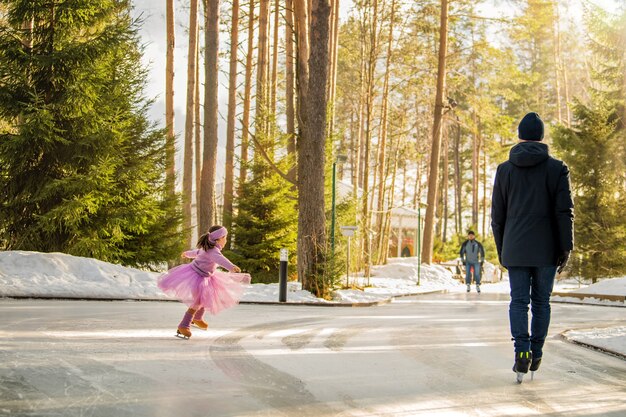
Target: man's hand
{"type": "Point", "coordinates": [561, 261]}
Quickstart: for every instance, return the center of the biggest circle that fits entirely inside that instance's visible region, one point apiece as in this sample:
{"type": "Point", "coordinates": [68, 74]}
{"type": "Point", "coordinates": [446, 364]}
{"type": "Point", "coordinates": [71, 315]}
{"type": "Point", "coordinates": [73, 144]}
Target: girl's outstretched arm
{"type": "Point", "coordinates": [191, 254]}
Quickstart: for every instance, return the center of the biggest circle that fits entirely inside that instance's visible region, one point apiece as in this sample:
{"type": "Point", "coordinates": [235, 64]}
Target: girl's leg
{"type": "Point", "coordinates": [197, 319]}
{"type": "Point", "coordinates": [183, 326]}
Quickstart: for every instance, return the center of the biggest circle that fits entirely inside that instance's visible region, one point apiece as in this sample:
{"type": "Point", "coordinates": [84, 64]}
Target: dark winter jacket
{"type": "Point", "coordinates": [532, 213]}
{"type": "Point", "coordinates": [472, 251]}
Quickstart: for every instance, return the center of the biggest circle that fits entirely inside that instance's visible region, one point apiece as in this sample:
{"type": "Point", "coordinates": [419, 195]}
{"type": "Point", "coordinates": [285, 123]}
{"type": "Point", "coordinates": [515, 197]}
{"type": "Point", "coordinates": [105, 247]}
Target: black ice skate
{"type": "Point", "coordinates": [522, 363]}
{"type": "Point", "coordinates": [534, 365]}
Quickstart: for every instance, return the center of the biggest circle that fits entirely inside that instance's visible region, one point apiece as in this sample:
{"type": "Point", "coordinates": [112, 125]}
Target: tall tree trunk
{"type": "Point", "coordinates": [356, 161]}
{"type": "Point", "coordinates": [382, 143]}
{"type": "Point", "coordinates": [334, 43]}
{"type": "Point", "coordinates": [475, 169]}
{"type": "Point", "coordinates": [169, 100]}
{"type": "Point", "coordinates": [198, 132]}
{"type": "Point", "coordinates": [556, 33]}
{"type": "Point", "coordinates": [227, 213]}
{"type": "Point", "coordinates": [245, 118]}
{"type": "Point", "coordinates": [369, 110]}
{"type": "Point", "coordinates": [388, 214]}
{"type": "Point", "coordinates": [262, 99]}
{"type": "Point", "coordinates": [289, 82]}
{"type": "Point", "coordinates": [211, 71]}
{"type": "Point", "coordinates": [274, 82]}
{"type": "Point", "coordinates": [458, 179]}
{"type": "Point", "coordinates": [444, 186]}
{"type": "Point", "coordinates": [312, 72]}
{"type": "Point", "coordinates": [433, 176]}
{"type": "Point", "coordinates": [189, 121]}
{"type": "Point", "coordinates": [484, 193]}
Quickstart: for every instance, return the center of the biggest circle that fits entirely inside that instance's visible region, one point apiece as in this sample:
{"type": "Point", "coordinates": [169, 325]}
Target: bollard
{"type": "Point", "coordinates": [282, 276]}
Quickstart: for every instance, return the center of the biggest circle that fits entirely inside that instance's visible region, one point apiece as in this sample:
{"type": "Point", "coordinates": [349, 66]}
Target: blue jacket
{"type": "Point", "coordinates": [532, 212]}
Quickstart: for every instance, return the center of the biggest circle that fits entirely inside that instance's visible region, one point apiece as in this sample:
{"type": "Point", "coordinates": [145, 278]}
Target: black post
{"type": "Point", "coordinates": [282, 276]}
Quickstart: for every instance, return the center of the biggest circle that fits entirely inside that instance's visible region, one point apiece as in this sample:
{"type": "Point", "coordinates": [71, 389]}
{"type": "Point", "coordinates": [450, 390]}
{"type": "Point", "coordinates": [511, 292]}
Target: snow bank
{"type": "Point", "coordinates": [615, 286]}
{"type": "Point", "coordinates": [34, 274]}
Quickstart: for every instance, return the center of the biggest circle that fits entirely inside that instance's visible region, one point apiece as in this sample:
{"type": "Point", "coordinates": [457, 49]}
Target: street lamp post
{"type": "Point", "coordinates": [339, 159]}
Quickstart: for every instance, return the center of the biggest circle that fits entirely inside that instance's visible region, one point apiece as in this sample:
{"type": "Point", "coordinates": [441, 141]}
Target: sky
{"type": "Point", "coordinates": [58, 275]}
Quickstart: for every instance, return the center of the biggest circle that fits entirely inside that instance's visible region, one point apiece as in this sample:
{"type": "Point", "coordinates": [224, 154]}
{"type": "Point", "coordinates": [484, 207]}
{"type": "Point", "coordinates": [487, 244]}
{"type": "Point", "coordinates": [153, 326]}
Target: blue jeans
{"type": "Point", "coordinates": [468, 273]}
{"type": "Point", "coordinates": [530, 285]}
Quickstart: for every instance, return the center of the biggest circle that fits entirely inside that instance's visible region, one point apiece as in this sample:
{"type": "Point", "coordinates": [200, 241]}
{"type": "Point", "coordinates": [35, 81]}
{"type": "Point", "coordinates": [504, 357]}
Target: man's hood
{"type": "Point", "coordinates": [528, 154]}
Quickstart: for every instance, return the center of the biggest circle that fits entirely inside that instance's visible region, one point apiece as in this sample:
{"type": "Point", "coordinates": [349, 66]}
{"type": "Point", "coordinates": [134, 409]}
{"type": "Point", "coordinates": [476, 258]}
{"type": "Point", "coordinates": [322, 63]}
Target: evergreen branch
{"type": "Point", "coordinates": [286, 177]}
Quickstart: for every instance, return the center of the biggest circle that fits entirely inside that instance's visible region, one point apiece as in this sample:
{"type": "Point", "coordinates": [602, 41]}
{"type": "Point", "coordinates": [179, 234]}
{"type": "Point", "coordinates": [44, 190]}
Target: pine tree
{"type": "Point", "coordinates": [266, 222]}
{"type": "Point", "coordinates": [594, 149]}
{"type": "Point", "coordinates": [81, 165]}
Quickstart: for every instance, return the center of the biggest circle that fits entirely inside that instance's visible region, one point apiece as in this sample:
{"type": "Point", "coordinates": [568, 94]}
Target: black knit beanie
{"type": "Point", "coordinates": [531, 127]}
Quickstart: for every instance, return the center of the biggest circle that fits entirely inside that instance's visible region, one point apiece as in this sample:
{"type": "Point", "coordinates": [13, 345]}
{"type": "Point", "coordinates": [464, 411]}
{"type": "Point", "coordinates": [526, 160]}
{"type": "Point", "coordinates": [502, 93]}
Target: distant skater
{"type": "Point", "coordinates": [473, 257]}
{"type": "Point", "coordinates": [200, 285]}
{"type": "Point", "coordinates": [532, 217]}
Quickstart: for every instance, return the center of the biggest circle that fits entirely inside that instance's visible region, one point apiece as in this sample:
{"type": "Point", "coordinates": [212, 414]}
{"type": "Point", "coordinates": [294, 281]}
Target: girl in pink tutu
{"type": "Point", "coordinates": [200, 285]}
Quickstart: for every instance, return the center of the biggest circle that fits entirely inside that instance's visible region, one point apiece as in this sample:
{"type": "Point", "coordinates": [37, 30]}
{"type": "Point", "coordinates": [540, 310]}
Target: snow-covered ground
{"type": "Point", "coordinates": [57, 275]}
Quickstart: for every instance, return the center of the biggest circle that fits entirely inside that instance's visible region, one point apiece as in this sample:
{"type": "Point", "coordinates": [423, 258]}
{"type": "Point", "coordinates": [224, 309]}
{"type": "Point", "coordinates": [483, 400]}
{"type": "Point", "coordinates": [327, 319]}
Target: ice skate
{"type": "Point", "coordinates": [478, 288]}
{"type": "Point", "coordinates": [469, 287]}
{"type": "Point", "coordinates": [200, 324]}
{"type": "Point", "coordinates": [183, 328]}
{"type": "Point", "coordinates": [197, 319]}
{"type": "Point", "coordinates": [522, 363]}
{"type": "Point", "coordinates": [183, 333]}
{"type": "Point", "coordinates": [534, 366]}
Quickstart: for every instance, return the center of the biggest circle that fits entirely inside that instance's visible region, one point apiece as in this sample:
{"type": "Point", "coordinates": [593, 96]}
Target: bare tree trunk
{"type": "Point", "coordinates": [189, 119]}
{"type": "Point", "coordinates": [382, 143]}
{"type": "Point", "coordinates": [211, 68]}
{"type": "Point", "coordinates": [556, 32]}
{"type": "Point", "coordinates": [444, 186]}
{"type": "Point", "coordinates": [334, 43]}
{"type": "Point", "coordinates": [384, 251]}
{"type": "Point", "coordinates": [245, 118]}
{"type": "Point", "coordinates": [312, 72]}
{"type": "Point", "coordinates": [170, 176]}
{"type": "Point", "coordinates": [229, 191]}
{"type": "Point", "coordinates": [198, 131]}
{"type": "Point", "coordinates": [369, 105]}
{"type": "Point", "coordinates": [458, 179]}
{"type": "Point", "coordinates": [274, 83]}
{"type": "Point", "coordinates": [567, 98]}
{"type": "Point", "coordinates": [262, 100]}
{"type": "Point", "coordinates": [484, 193]}
{"type": "Point", "coordinates": [429, 223]}
{"type": "Point", "coordinates": [475, 169]}
{"type": "Point", "coordinates": [358, 154]}
{"type": "Point", "coordinates": [289, 82]}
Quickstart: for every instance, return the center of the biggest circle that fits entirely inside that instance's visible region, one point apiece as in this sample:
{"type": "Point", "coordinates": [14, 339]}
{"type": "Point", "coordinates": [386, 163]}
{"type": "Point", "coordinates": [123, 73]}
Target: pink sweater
{"type": "Point", "coordinates": [206, 262]}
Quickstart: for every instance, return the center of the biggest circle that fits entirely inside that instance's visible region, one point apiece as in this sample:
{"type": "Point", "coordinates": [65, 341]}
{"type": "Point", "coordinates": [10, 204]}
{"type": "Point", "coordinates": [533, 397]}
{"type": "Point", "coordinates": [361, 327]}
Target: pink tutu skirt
{"type": "Point", "coordinates": [217, 292]}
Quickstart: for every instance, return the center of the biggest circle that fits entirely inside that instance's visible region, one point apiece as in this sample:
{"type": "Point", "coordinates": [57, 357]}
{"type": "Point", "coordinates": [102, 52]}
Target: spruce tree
{"type": "Point", "coordinates": [266, 221]}
{"type": "Point", "coordinates": [594, 149]}
{"type": "Point", "coordinates": [81, 165]}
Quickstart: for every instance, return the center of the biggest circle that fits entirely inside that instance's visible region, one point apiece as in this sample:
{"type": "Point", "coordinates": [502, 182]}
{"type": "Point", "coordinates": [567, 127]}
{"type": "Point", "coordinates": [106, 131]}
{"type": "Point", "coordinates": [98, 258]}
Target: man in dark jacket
{"type": "Point", "coordinates": [473, 257]}
{"type": "Point", "coordinates": [532, 217]}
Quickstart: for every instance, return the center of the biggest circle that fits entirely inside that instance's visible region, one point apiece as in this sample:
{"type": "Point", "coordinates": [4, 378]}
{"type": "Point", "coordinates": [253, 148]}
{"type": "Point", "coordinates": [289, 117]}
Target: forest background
{"type": "Point", "coordinates": [242, 124]}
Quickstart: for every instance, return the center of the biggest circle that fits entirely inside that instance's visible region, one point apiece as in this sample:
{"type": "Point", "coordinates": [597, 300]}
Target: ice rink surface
{"type": "Point", "coordinates": [430, 355]}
